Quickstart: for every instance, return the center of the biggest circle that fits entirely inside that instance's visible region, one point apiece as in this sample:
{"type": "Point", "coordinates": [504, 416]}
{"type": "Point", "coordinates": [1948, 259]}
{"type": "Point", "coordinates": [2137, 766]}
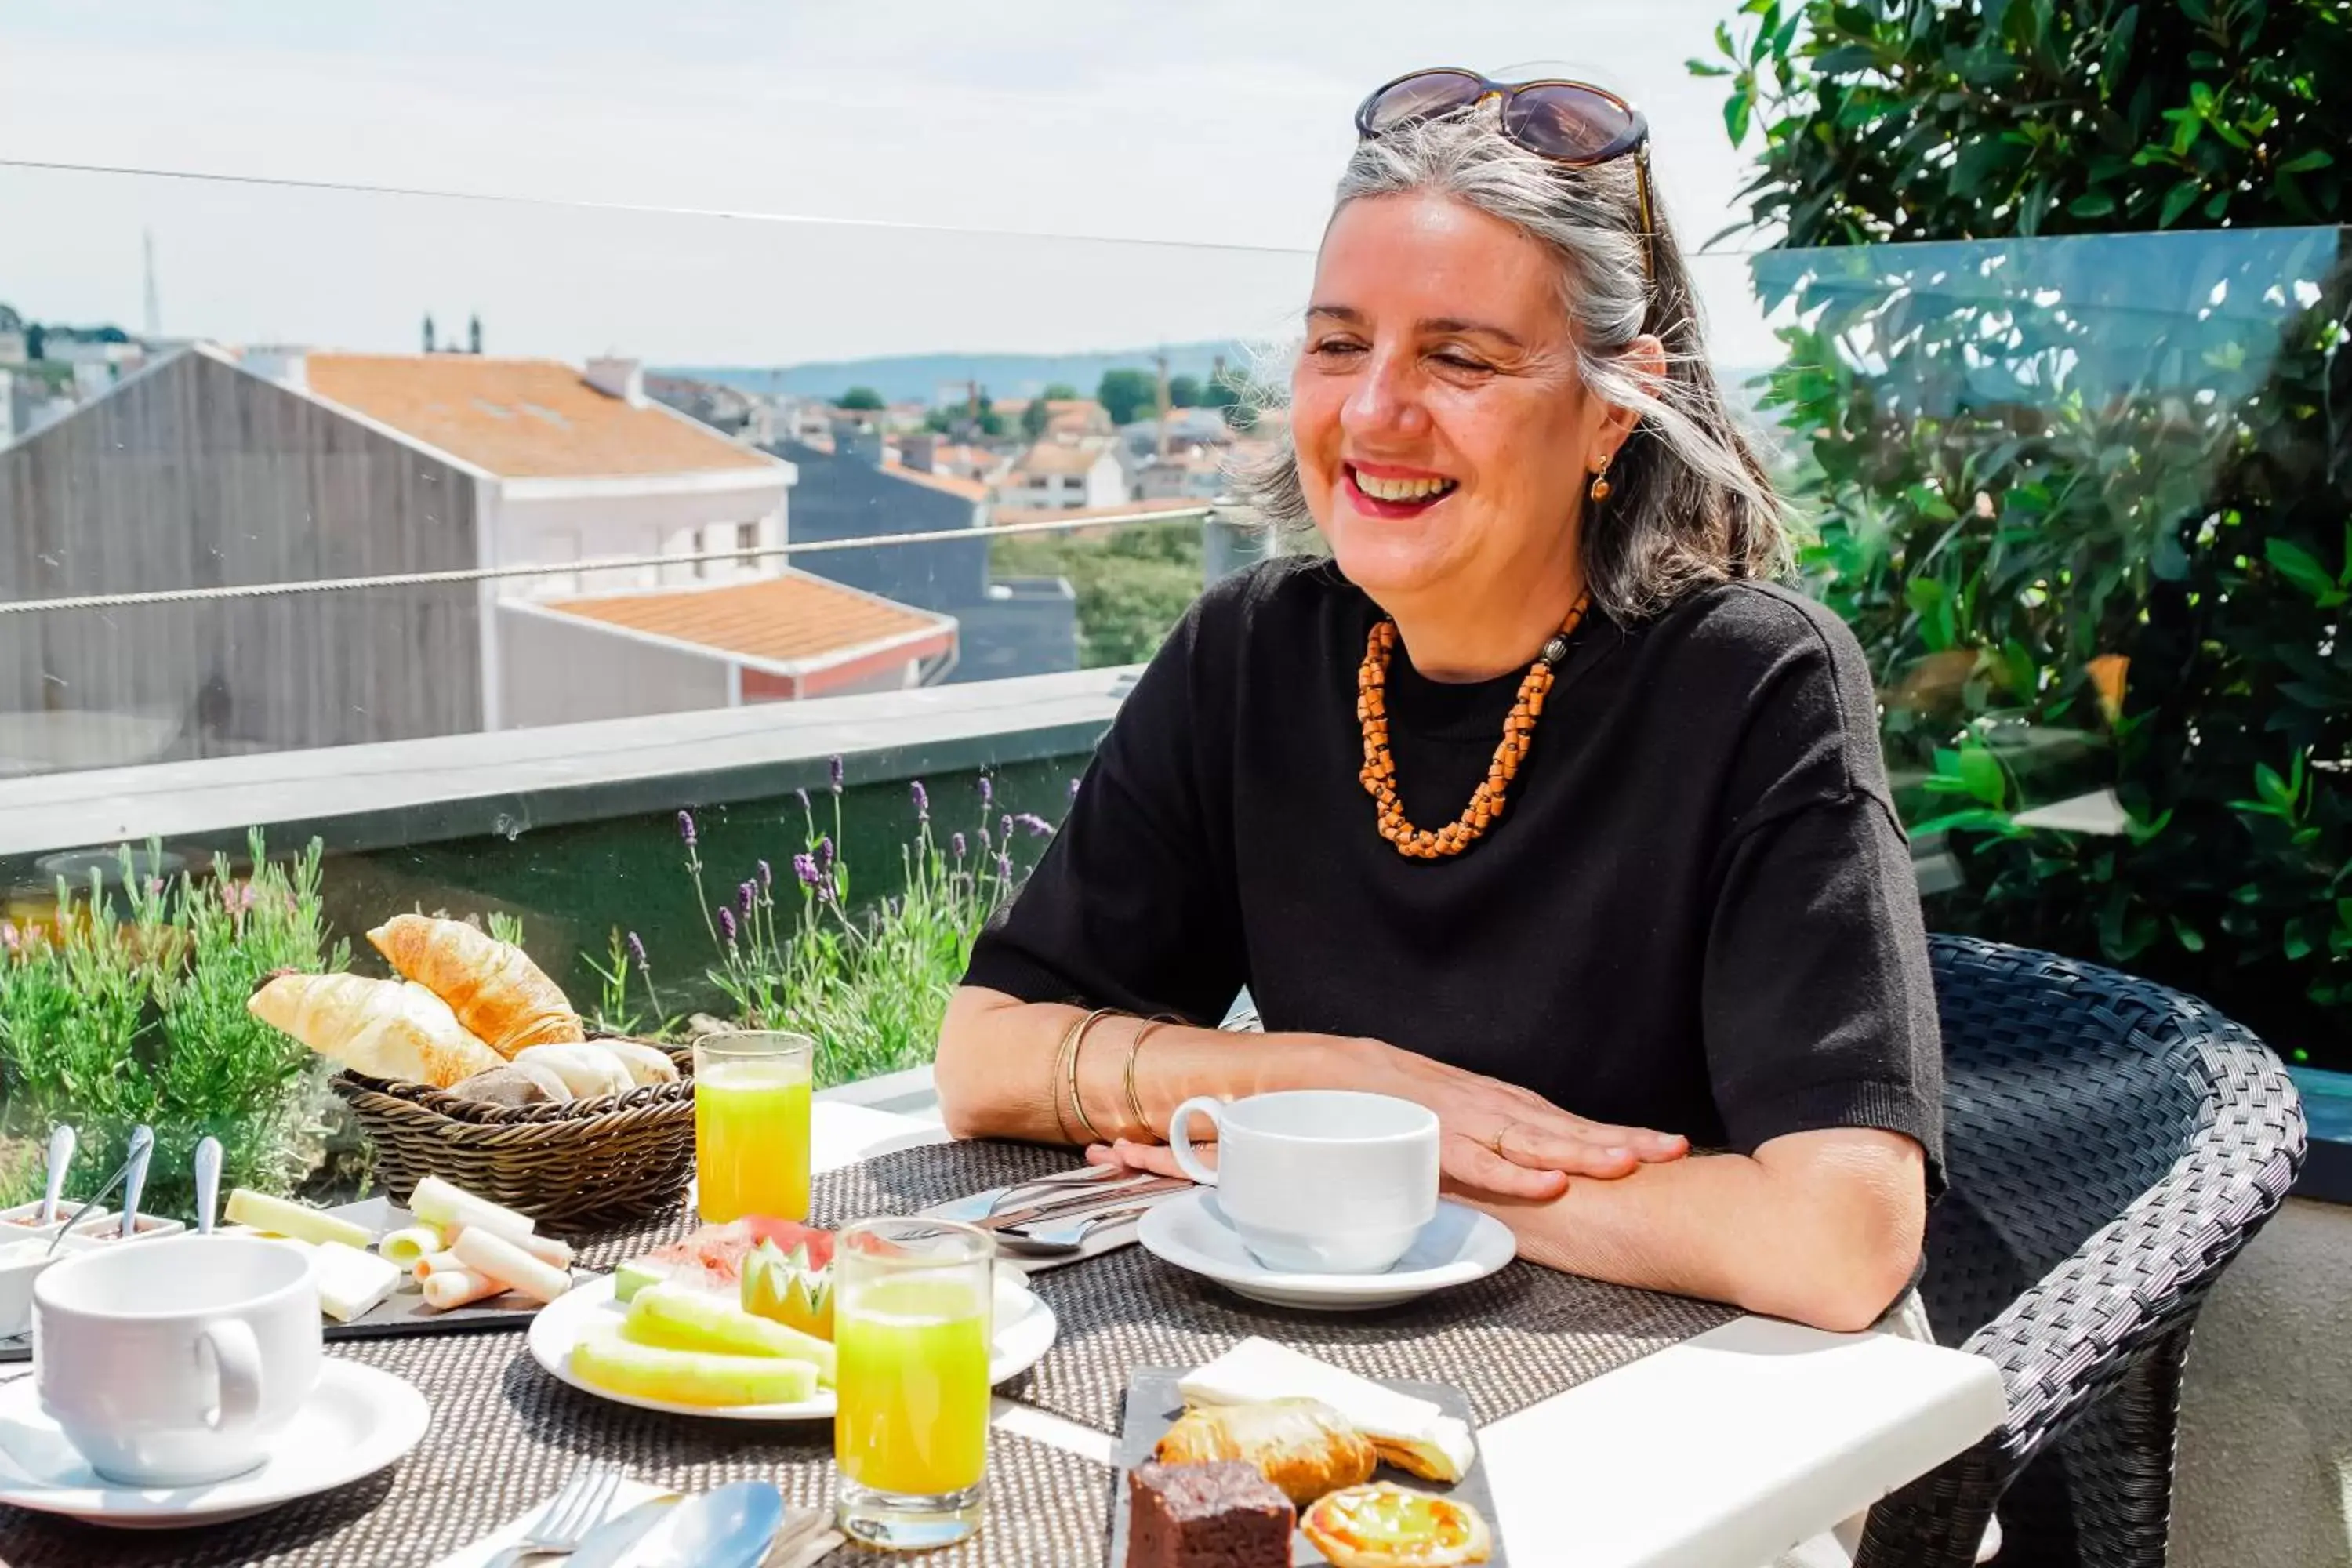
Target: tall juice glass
{"type": "Point", "coordinates": [910, 1334]}
{"type": "Point", "coordinates": [751, 1124]}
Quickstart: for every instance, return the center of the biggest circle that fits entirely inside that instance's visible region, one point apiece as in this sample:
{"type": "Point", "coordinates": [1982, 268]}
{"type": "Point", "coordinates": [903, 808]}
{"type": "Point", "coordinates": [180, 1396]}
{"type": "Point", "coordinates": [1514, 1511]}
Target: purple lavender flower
{"type": "Point", "coordinates": [922, 802]}
{"type": "Point", "coordinates": [804, 868]}
{"type": "Point", "coordinates": [1035, 825]}
{"type": "Point", "coordinates": [832, 765]}
{"type": "Point", "coordinates": [804, 801]}
{"type": "Point", "coordinates": [986, 843]}
{"type": "Point", "coordinates": [686, 827]}
{"type": "Point", "coordinates": [987, 792]}
{"type": "Point", "coordinates": [1004, 831]}
{"type": "Point", "coordinates": [956, 845]}
{"type": "Point", "coordinates": [824, 853]}
{"type": "Point", "coordinates": [727, 923]}
{"type": "Point", "coordinates": [767, 875]}
{"type": "Point", "coordinates": [747, 895]}
{"type": "Point", "coordinates": [637, 951]}
{"type": "Point", "coordinates": [1074, 789]}
{"type": "Point", "coordinates": [1004, 867]}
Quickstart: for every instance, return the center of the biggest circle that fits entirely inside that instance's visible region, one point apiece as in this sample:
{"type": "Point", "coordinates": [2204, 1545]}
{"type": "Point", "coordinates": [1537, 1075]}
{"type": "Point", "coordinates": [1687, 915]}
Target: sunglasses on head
{"type": "Point", "coordinates": [1570, 122]}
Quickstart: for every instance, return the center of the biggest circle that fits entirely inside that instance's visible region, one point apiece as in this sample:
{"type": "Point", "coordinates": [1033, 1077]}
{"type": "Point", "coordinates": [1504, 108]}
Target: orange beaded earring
{"type": "Point", "coordinates": [1599, 490]}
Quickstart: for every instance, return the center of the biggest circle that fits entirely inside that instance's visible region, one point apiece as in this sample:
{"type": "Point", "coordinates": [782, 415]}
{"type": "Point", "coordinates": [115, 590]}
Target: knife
{"type": "Point", "coordinates": [610, 1542]}
{"type": "Point", "coordinates": [1076, 1208]}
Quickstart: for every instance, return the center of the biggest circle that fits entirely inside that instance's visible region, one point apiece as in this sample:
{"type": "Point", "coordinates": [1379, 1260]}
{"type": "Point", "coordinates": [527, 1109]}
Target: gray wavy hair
{"type": "Point", "coordinates": [1691, 505]}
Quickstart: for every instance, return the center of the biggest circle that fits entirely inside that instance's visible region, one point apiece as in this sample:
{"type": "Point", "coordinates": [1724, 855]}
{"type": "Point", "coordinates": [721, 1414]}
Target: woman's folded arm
{"type": "Point", "coordinates": [1823, 1227]}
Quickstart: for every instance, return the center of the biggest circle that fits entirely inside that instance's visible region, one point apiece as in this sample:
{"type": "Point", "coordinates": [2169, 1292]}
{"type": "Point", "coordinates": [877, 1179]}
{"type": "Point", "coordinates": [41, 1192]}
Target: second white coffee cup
{"type": "Point", "coordinates": [172, 1362]}
{"type": "Point", "coordinates": [1318, 1181]}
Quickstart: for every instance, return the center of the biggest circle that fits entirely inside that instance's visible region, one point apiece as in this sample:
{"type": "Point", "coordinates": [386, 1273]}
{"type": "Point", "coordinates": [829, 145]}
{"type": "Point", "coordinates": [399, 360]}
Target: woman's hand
{"type": "Point", "coordinates": [1496, 1138]}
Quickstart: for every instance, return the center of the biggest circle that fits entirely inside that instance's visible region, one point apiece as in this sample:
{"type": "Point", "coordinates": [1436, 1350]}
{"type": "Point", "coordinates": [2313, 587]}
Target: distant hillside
{"type": "Point", "coordinates": [904, 378]}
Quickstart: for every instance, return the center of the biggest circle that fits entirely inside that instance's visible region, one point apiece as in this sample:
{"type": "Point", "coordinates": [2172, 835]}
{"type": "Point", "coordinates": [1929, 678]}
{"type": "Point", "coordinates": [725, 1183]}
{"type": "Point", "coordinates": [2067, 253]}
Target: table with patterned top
{"type": "Point", "coordinates": [1690, 1436]}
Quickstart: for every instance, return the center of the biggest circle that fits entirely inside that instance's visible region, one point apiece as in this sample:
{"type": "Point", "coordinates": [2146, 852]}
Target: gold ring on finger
{"type": "Point", "coordinates": [1495, 1142]}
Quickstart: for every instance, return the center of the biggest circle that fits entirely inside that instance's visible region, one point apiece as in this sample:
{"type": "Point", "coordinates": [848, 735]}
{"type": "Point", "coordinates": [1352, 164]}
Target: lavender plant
{"type": "Point", "coordinates": [871, 986]}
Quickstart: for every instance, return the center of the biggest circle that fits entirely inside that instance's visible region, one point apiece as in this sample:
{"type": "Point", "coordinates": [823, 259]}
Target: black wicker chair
{"type": "Point", "coordinates": [2111, 1145]}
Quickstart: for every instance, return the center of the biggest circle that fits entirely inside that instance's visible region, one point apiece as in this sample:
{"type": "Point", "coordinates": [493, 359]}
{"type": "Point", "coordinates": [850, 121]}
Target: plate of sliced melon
{"type": "Point", "coordinates": [710, 1327]}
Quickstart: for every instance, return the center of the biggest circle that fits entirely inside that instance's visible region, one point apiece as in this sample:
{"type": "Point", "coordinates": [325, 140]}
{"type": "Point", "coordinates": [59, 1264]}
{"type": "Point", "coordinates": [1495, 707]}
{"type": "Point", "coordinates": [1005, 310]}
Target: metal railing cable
{"type": "Point", "coordinates": [644, 209]}
{"type": "Point", "coordinates": [608, 564]}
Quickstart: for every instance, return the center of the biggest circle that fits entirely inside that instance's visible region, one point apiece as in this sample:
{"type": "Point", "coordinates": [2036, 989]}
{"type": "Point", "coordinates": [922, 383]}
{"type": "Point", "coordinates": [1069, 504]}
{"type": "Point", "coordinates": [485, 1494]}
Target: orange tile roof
{"type": "Point", "coordinates": [971, 490]}
{"type": "Point", "coordinates": [522, 418]}
{"type": "Point", "coordinates": [795, 618]}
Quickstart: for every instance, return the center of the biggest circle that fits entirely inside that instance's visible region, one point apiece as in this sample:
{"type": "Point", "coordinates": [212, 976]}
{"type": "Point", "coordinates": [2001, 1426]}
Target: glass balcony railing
{"type": "Point", "coordinates": [489, 536]}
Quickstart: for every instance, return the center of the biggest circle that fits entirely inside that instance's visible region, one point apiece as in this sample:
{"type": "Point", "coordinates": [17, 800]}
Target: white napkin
{"type": "Point", "coordinates": [807, 1538]}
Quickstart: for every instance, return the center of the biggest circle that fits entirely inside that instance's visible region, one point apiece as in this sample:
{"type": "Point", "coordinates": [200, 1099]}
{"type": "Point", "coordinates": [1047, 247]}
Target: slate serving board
{"type": "Point", "coordinates": [1152, 1405]}
{"type": "Point", "coordinates": [405, 1313]}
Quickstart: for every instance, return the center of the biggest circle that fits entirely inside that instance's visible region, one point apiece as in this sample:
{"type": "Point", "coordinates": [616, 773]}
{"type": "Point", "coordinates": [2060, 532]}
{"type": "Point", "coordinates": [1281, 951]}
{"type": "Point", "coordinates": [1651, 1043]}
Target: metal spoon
{"type": "Point", "coordinates": [730, 1528]}
{"type": "Point", "coordinates": [142, 1150]}
{"type": "Point", "coordinates": [209, 1169]}
{"type": "Point", "coordinates": [95, 1199]}
{"type": "Point", "coordinates": [62, 1140]}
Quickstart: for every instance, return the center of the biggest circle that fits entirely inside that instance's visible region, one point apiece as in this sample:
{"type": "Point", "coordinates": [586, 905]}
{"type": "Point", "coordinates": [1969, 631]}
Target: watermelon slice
{"type": "Point", "coordinates": [712, 1257]}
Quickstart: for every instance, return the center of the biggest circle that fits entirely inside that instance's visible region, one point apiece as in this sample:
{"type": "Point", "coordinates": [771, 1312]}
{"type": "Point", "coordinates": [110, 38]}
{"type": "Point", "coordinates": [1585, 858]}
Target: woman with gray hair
{"type": "Point", "coordinates": [1538, 801]}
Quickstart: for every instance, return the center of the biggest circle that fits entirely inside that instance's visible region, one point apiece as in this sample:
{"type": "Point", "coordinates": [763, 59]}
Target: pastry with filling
{"type": "Point", "coordinates": [1205, 1516]}
{"type": "Point", "coordinates": [1300, 1445]}
{"type": "Point", "coordinates": [1388, 1526]}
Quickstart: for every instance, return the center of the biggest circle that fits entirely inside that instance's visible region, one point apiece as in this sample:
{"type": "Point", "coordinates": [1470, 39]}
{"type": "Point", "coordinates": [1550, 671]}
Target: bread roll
{"type": "Point", "coordinates": [587, 1071]}
{"type": "Point", "coordinates": [514, 1083]}
{"type": "Point", "coordinates": [645, 1064]}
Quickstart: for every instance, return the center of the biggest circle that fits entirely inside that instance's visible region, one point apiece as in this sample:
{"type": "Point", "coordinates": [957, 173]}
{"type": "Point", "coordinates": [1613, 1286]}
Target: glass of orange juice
{"type": "Point", "coordinates": [751, 1124]}
{"type": "Point", "coordinates": [910, 1334]}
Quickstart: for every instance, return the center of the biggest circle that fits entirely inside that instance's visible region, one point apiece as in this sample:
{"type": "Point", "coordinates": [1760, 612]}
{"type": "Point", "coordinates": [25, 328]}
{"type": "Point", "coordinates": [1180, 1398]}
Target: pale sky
{"type": "Point", "coordinates": [1193, 144]}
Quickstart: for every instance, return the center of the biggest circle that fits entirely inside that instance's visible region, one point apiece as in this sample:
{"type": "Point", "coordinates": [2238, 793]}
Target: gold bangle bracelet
{"type": "Point", "coordinates": [1135, 1100]}
{"type": "Point", "coordinates": [1054, 1075]}
{"type": "Point", "coordinates": [1077, 1051]}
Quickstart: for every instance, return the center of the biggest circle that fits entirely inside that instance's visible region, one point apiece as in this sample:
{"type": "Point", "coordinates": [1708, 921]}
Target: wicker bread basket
{"type": "Point", "coordinates": [587, 1165]}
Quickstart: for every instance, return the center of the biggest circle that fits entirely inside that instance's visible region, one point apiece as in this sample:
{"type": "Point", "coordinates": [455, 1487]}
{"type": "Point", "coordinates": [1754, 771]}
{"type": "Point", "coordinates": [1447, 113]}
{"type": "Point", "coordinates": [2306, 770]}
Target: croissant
{"type": "Point", "coordinates": [1300, 1445]}
{"type": "Point", "coordinates": [384, 1028]}
{"type": "Point", "coordinates": [494, 989]}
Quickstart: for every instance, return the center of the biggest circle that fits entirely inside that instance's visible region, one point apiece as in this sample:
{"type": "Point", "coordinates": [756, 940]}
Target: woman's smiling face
{"type": "Point", "coordinates": [1444, 437]}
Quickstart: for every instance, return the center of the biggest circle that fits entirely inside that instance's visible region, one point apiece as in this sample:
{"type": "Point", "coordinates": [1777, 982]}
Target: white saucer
{"type": "Point", "coordinates": [563, 1323]}
{"type": "Point", "coordinates": [1460, 1245]}
{"type": "Point", "coordinates": [359, 1421]}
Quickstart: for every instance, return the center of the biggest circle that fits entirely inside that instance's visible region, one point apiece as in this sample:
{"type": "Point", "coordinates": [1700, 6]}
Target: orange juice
{"type": "Point", "coordinates": [752, 1133]}
{"type": "Point", "coordinates": [913, 1385]}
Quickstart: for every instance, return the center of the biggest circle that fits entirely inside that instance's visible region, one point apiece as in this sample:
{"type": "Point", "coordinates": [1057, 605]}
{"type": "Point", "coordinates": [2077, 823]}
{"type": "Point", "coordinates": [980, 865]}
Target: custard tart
{"type": "Point", "coordinates": [1384, 1525]}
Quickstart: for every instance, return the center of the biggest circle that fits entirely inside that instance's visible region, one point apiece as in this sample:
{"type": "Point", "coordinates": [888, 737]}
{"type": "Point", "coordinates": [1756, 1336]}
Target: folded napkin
{"type": "Point", "coordinates": [808, 1536]}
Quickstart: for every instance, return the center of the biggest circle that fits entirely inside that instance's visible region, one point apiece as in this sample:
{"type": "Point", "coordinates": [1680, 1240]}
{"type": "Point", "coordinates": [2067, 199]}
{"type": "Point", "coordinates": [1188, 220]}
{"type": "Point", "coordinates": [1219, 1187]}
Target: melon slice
{"type": "Point", "coordinates": [609, 1360]}
{"type": "Point", "coordinates": [712, 1257]}
{"type": "Point", "coordinates": [677, 1318]}
{"type": "Point", "coordinates": [782, 1287]}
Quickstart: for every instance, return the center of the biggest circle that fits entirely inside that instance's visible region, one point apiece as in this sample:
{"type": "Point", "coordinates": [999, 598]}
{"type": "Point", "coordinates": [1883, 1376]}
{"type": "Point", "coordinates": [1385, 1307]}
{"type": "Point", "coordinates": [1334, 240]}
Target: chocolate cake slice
{"type": "Point", "coordinates": [1221, 1515]}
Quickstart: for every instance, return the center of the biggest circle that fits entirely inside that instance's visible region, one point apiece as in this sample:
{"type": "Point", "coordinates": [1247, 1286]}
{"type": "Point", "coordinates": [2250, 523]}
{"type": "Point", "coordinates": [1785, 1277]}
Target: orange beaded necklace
{"type": "Point", "coordinates": [1379, 775]}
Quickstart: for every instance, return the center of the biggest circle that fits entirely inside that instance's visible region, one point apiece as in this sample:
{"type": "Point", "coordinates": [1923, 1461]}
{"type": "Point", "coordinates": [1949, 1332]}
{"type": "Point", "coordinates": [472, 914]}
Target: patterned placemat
{"type": "Point", "coordinates": [504, 1436]}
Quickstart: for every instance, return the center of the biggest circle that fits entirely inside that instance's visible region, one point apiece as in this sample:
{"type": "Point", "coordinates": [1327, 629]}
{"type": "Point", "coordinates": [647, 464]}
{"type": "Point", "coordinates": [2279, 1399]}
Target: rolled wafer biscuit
{"type": "Point", "coordinates": [479, 1252]}
{"type": "Point", "coordinates": [448, 1288]}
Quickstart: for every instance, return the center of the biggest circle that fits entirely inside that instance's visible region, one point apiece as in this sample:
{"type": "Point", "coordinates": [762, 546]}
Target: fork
{"type": "Point", "coordinates": [578, 1507]}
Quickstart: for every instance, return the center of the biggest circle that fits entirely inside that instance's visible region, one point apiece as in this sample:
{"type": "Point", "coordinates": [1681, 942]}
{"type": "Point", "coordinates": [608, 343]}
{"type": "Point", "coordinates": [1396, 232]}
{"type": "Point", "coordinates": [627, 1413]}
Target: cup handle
{"type": "Point", "coordinates": [237, 1358]}
{"type": "Point", "coordinates": [1180, 1141]}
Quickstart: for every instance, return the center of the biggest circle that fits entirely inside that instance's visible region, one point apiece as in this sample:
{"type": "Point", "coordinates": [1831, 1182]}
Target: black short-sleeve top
{"type": "Point", "coordinates": [1696, 914]}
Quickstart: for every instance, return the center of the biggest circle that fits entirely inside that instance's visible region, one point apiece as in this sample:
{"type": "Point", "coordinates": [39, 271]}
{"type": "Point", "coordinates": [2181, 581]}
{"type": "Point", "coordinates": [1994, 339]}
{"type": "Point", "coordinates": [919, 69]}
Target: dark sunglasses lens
{"type": "Point", "coordinates": [1422, 97]}
{"type": "Point", "coordinates": [1575, 124]}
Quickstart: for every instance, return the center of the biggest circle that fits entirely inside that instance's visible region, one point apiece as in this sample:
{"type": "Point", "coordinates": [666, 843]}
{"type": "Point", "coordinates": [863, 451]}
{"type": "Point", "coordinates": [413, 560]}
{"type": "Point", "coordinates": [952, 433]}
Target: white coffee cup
{"type": "Point", "coordinates": [1319, 1181]}
{"type": "Point", "coordinates": [172, 1362]}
